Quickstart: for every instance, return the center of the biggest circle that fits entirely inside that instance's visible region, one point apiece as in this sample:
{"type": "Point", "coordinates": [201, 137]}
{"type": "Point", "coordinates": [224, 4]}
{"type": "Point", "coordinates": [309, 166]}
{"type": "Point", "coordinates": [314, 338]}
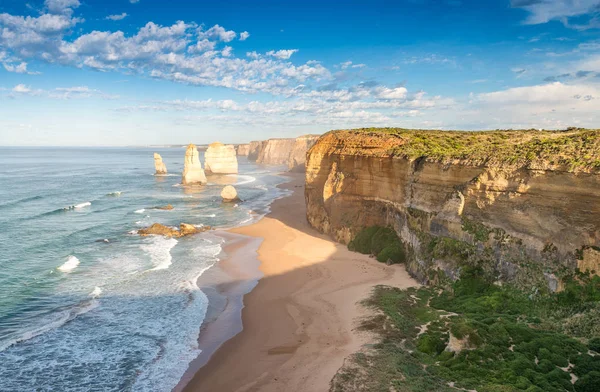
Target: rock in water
{"type": "Point", "coordinates": [159, 165]}
{"type": "Point", "coordinates": [192, 168]}
{"type": "Point", "coordinates": [229, 194]}
{"type": "Point", "coordinates": [220, 159]}
{"type": "Point", "coordinates": [243, 150]}
{"type": "Point", "coordinates": [184, 229]}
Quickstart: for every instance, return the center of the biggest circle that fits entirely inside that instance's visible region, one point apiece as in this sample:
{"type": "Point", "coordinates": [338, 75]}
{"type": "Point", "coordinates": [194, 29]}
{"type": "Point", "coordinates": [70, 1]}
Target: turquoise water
{"type": "Point", "coordinates": [85, 304]}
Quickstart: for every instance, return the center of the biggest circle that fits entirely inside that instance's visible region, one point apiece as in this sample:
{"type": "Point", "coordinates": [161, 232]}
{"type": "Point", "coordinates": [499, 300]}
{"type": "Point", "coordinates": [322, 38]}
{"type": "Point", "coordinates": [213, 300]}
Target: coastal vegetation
{"type": "Point", "coordinates": [573, 148]}
{"type": "Point", "coordinates": [475, 335]}
{"type": "Point", "coordinates": [381, 242]}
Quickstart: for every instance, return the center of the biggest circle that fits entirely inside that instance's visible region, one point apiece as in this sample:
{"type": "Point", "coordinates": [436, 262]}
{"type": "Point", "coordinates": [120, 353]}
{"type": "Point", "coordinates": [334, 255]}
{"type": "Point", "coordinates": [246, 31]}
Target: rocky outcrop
{"type": "Point", "coordinates": [192, 168]}
{"type": "Point", "coordinates": [229, 194]}
{"type": "Point", "coordinates": [184, 229]}
{"type": "Point", "coordinates": [297, 159]}
{"type": "Point", "coordinates": [276, 151]}
{"type": "Point", "coordinates": [243, 150]}
{"type": "Point", "coordinates": [220, 159]}
{"type": "Point", "coordinates": [159, 166]}
{"type": "Point", "coordinates": [523, 205]}
{"type": "Point", "coordinates": [164, 208]}
{"type": "Point", "coordinates": [254, 149]}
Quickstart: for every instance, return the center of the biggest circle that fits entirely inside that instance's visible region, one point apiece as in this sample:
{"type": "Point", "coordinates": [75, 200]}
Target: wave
{"type": "Point", "coordinates": [245, 179]}
{"type": "Point", "coordinates": [96, 292]}
{"type": "Point", "coordinates": [69, 265]}
{"type": "Point", "coordinates": [24, 200]}
{"type": "Point", "coordinates": [114, 194]}
{"type": "Point", "coordinates": [159, 249]}
{"type": "Point", "coordinates": [58, 320]}
{"type": "Point", "coordinates": [140, 211]}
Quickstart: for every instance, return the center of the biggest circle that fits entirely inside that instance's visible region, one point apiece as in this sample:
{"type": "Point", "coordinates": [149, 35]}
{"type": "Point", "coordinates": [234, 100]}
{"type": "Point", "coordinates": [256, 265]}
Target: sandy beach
{"type": "Point", "coordinates": [299, 321]}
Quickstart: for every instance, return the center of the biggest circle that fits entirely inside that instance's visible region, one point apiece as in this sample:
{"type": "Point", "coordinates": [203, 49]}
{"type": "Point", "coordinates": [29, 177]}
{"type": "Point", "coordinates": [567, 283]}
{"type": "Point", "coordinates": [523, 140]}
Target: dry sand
{"type": "Point", "coordinates": [299, 321]}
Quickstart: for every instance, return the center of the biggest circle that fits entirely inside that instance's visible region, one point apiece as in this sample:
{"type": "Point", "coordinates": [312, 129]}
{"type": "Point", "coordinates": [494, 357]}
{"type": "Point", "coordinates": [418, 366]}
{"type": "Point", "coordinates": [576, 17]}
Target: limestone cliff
{"type": "Point", "coordinates": [276, 151]}
{"type": "Point", "coordinates": [243, 149]}
{"type": "Point", "coordinates": [192, 168]}
{"type": "Point", "coordinates": [297, 159]}
{"type": "Point", "coordinates": [254, 149]}
{"type": "Point", "coordinates": [159, 166]}
{"type": "Point", "coordinates": [525, 205]}
{"type": "Point", "coordinates": [220, 159]}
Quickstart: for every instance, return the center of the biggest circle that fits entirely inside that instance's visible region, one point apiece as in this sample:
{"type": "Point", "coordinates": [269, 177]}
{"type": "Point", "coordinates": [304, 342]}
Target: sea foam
{"type": "Point", "coordinates": [159, 249]}
{"type": "Point", "coordinates": [69, 265]}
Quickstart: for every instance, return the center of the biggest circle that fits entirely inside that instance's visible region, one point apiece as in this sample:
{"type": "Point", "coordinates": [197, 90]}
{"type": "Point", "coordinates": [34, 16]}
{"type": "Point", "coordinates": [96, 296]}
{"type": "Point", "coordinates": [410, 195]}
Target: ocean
{"type": "Point", "coordinates": [85, 303]}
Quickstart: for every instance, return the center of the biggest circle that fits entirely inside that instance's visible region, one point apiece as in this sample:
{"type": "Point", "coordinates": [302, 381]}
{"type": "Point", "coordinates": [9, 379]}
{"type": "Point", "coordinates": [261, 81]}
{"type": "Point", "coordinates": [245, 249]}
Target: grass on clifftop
{"type": "Point", "coordinates": [573, 148]}
{"type": "Point", "coordinates": [507, 340]}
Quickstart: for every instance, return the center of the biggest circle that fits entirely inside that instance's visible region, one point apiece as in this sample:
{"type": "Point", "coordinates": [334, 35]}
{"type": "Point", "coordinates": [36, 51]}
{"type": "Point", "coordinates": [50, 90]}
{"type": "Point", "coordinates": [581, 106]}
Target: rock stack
{"type": "Point", "coordinates": [220, 159]}
{"type": "Point", "coordinates": [192, 168]}
{"type": "Point", "coordinates": [159, 165]}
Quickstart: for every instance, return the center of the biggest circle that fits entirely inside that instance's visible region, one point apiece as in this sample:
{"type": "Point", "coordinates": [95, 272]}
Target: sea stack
{"type": "Point", "coordinates": [243, 150]}
{"type": "Point", "coordinates": [229, 194]}
{"type": "Point", "coordinates": [159, 165]}
{"type": "Point", "coordinates": [220, 159]}
{"type": "Point", "coordinates": [192, 168]}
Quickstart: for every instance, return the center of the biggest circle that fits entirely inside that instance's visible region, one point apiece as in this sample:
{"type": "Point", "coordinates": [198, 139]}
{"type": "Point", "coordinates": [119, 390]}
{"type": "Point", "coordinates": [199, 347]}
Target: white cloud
{"type": "Point", "coordinates": [283, 54]}
{"type": "Point", "coordinates": [21, 68]}
{"type": "Point", "coordinates": [244, 35]}
{"type": "Point", "coordinates": [134, 1]}
{"type": "Point", "coordinates": [61, 6]}
{"type": "Point", "coordinates": [543, 11]}
{"type": "Point", "coordinates": [21, 88]}
{"type": "Point", "coordinates": [117, 17]}
{"type": "Point", "coordinates": [218, 33]}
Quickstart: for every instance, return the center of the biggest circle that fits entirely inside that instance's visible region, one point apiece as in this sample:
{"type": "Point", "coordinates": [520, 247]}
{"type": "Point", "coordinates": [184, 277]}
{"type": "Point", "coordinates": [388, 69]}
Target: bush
{"type": "Point", "coordinates": [588, 383]}
{"type": "Point", "coordinates": [594, 344]}
{"type": "Point", "coordinates": [382, 242]}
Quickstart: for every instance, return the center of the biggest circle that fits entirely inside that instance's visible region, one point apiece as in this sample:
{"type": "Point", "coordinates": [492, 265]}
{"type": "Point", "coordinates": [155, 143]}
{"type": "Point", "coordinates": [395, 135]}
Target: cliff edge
{"type": "Point", "coordinates": [522, 204]}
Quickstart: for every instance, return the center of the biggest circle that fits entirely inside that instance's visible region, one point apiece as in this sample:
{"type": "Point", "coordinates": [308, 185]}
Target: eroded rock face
{"type": "Point", "coordinates": [297, 159]}
{"type": "Point", "coordinates": [193, 174]}
{"type": "Point", "coordinates": [254, 149]}
{"type": "Point", "coordinates": [243, 149]}
{"type": "Point", "coordinates": [276, 151]}
{"type": "Point", "coordinates": [542, 214]}
{"type": "Point", "coordinates": [229, 194]}
{"type": "Point", "coordinates": [159, 165]}
{"type": "Point", "coordinates": [184, 229]}
{"type": "Point", "coordinates": [220, 159]}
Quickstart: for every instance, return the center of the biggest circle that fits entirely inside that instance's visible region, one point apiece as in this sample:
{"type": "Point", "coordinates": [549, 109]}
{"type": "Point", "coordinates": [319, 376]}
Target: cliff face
{"type": "Point", "coordinates": [523, 205]}
{"type": "Point", "coordinates": [243, 149]}
{"type": "Point", "coordinates": [220, 159]}
{"type": "Point", "coordinates": [276, 151]}
{"type": "Point", "coordinates": [192, 168]}
{"type": "Point", "coordinates": [297, 159]}
{"type": "Point", "coordinates": [159, 165]}
{"type": "Point", "coordinates": [254, 149]}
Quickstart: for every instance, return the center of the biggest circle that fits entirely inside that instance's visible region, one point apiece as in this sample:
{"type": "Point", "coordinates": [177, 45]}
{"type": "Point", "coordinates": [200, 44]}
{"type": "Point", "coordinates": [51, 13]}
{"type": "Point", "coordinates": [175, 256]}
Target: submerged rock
{"type": "Point", "coordinates": [229, 194]}
{"type": "Point", "coordinates": [184, 229]}
{"type": "Point", "coordinates": [166, 208]}
{"type": "Point", "coordinates": [220, 159]}
{"type": "Point", "coordinates": [159, 165]}
{"type": "Point", "coordinates": [192, 168]}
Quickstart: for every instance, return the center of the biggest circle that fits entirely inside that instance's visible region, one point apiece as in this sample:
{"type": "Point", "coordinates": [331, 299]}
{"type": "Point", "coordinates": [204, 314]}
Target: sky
{"type": "Point", "coordinates": [152, 72]}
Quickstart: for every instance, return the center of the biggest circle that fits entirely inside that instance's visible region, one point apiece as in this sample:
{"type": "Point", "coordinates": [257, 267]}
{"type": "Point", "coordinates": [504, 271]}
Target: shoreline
{"type": "Point", "coordinates": [298, 319]}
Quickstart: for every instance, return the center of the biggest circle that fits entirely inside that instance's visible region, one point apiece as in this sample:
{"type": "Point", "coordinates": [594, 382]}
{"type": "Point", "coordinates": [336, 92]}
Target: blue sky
{"type": "Point", "coordinates": [120, 72]}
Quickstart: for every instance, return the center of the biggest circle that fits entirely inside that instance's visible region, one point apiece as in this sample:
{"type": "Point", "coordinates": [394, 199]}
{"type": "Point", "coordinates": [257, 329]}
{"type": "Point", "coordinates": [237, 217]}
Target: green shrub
{"type": "Point", "coordinates": [382, 242]}
{"type": "Point", "coordinates": [588, 383]}
{"type": "Point", "coordinates": [594, 344]}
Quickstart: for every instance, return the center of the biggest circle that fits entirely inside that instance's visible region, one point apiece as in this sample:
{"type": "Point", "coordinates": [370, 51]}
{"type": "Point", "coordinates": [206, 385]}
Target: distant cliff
{"type": "Point", "coordinates": [276, 151]}
{"type": "Point", "coordinates": [254, 149]}
{"type": "Point", "coordinates": [525, 205]}
{"type": "Point", "coordinates": [297, 159]}
{"type": "Point", "coordinates": [242, 149]}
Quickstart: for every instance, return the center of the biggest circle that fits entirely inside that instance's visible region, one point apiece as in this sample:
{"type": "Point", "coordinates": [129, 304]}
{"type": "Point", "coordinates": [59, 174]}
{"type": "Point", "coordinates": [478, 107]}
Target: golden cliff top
{"type": "Point", "coordinates": [573, 150]}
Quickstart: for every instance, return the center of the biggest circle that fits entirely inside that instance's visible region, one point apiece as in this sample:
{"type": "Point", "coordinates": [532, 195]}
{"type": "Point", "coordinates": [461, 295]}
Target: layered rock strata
{"type": "Point", "coordinates": [276, 151]}
{"type": "Point", "coordinates": [522, 205]}
{"type": "Point", "coordinates": [254, 149]}
{"type": "Point", "coordinates": [243, 150]}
